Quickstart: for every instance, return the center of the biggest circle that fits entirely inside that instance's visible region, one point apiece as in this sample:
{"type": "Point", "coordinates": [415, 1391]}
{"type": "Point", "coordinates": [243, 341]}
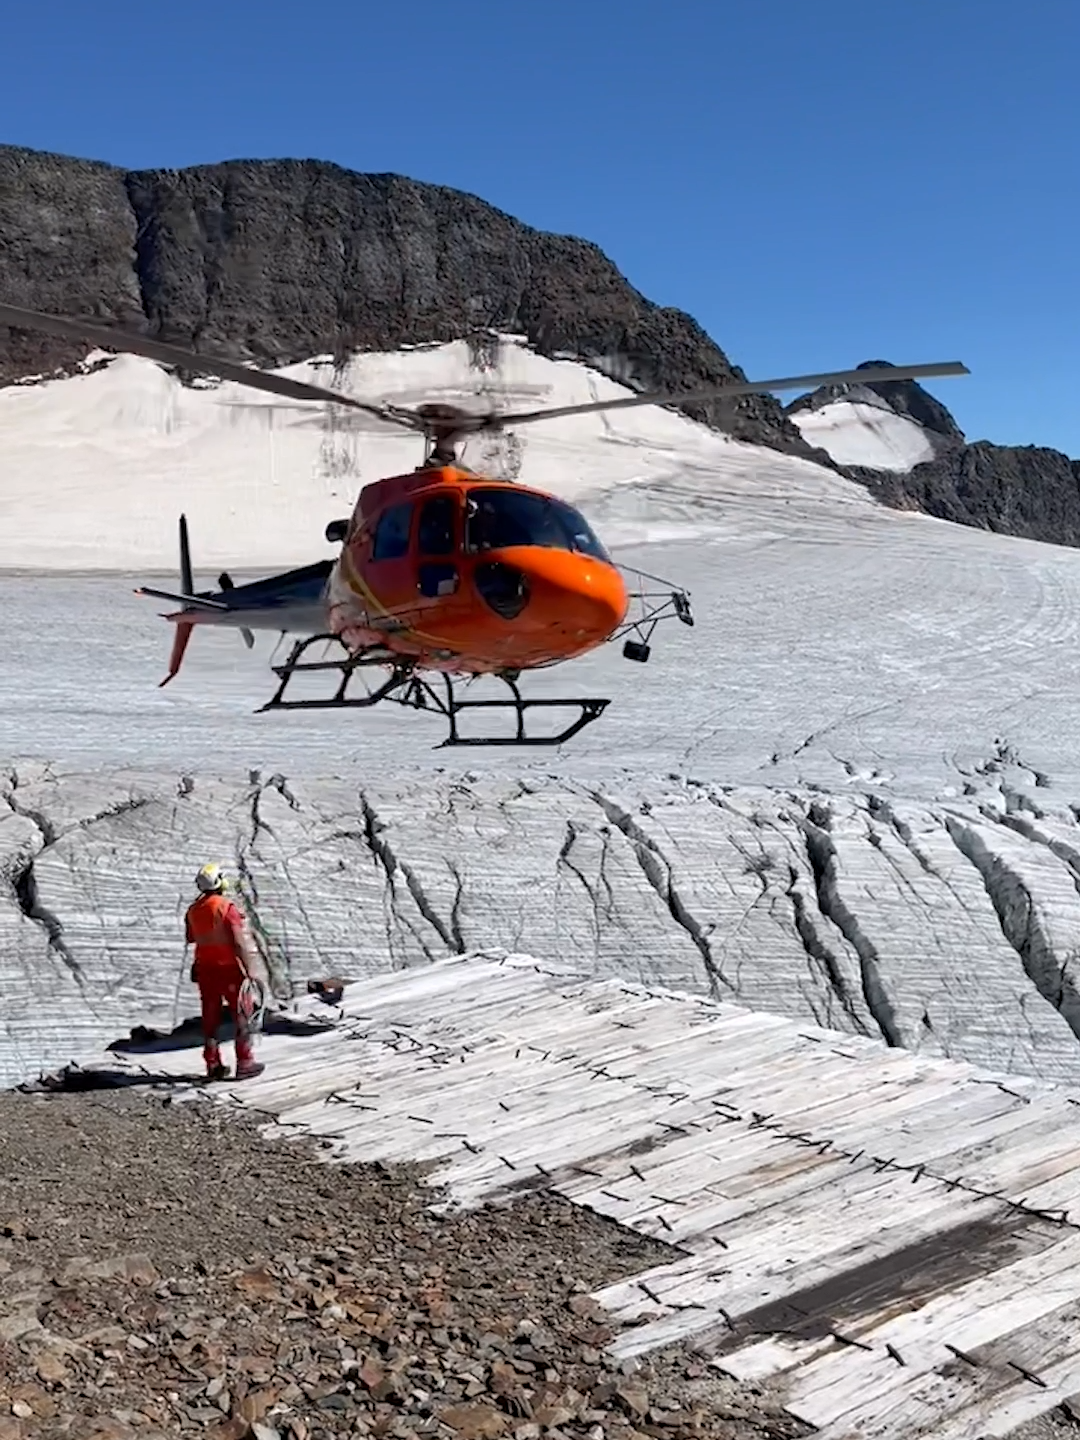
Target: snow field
{"type": "Point", "coordinates": [856, 433]}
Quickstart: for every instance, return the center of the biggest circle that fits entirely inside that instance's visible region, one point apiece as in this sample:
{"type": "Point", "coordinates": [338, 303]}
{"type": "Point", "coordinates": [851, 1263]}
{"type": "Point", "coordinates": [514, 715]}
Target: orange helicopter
{"type": "Point", "coordinates": [442, 572]}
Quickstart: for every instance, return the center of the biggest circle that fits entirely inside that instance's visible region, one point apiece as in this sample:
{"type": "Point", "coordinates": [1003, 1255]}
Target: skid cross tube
{"type": "Point", "coordinates": [346, 667]}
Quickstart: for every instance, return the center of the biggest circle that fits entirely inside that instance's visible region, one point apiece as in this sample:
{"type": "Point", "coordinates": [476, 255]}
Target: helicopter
{"type": "Point", "coordinates": [444, 575]}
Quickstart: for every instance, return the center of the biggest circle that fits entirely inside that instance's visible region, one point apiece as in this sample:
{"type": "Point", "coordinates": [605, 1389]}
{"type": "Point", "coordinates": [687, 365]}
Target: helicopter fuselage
{"type": "Point", "coordinates": [470, 575]}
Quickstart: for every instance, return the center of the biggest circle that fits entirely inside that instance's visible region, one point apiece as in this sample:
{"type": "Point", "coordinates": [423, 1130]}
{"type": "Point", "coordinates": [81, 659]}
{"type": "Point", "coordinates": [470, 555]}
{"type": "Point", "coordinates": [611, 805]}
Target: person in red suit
{"type": "Point", "coordinates": [221, 969]}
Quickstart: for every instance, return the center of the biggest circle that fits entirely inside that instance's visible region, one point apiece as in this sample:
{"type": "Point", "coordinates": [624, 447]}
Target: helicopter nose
{"type": "Point", "coordinates": [583, 598]}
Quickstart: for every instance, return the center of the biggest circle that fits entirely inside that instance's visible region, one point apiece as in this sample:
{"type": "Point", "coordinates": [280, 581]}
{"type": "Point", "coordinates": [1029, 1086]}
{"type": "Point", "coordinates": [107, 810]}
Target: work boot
{"type": "Point", "coordinates": [215, 1070]}
{"type": "Point", "coordinates": [245, 1053]}
{"type": "Point", "coordinates": [249, 1069]}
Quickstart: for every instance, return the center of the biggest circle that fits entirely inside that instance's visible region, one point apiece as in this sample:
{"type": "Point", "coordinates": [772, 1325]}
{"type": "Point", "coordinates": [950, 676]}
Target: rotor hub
{"type": "Point", "coordinates": [446, 427]}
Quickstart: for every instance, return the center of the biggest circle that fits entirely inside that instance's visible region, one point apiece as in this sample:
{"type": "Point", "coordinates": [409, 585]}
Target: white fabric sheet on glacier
{"type": "Point", "coordinates": [894, 1237]}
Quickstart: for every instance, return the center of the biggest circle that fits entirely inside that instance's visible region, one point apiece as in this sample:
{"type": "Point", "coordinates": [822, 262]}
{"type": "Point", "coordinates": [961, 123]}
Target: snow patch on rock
{"type": "Point", "coordinates": [854, 433]}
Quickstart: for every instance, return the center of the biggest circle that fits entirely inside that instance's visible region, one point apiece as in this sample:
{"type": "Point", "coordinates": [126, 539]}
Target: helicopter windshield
{"type": "Point", "coordinates": [504, 517]}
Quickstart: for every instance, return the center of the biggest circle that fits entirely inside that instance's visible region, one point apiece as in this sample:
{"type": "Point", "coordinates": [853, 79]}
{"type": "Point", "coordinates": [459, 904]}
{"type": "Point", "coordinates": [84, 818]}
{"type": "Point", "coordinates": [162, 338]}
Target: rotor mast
{"type": "Point", "coordinates": [444, 427]}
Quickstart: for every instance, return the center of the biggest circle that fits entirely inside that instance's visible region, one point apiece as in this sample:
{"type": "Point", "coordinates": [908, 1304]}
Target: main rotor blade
{"type": "Point", "coordinates": [188, 360]}
{"type": "Point", "coordinates": [739, 387]}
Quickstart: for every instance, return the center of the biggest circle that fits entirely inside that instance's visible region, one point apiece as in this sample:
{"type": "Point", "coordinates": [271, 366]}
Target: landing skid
{"type": "Point", "coordinates": [405, 687]}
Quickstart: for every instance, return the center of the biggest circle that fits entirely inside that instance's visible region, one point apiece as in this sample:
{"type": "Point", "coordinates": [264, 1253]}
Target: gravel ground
{"type": "Point", "coordinates": [166, 1271]}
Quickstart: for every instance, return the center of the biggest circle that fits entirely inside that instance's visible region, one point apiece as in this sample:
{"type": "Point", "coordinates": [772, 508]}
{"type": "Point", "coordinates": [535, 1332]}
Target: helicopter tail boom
{"type": "Point", "coordinates": [290, 601]}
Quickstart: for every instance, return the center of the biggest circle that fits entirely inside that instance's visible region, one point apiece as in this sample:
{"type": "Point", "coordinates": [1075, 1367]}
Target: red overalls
{"type": "Point", "coordinates": [215, 927]}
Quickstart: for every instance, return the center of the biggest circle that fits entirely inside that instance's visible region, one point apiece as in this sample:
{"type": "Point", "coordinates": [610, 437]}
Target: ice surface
{"type": "Point", "coordinates": [862, 434]}
{"type": "Point", "coordinates": [847, 794]}
{"type": "Point", "coordinates": [948, 928]}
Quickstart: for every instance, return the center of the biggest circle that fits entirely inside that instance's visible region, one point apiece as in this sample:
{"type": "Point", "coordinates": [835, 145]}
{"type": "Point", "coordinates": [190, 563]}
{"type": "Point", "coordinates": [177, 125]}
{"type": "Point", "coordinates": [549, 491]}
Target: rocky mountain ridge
{"type": "Point", "coordinates": [1024, 490]}
{"type": "Point", "coordinates": [278, 260]}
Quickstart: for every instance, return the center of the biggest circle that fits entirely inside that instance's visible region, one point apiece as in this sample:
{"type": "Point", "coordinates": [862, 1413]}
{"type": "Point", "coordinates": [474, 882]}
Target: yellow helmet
{"type": "Point", "coordinates": [211, 881]}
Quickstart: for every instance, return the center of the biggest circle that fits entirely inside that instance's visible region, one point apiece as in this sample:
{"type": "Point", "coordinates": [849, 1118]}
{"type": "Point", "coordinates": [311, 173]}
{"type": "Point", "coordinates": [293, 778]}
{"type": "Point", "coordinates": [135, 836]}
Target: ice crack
{"type": "Point", "coordinates": [456, 940]}
{"type": "Point", "coordinates": [1020, 922]}
{"type": "Point", "coordinates": [819, 953]}
{"type": "Point", "coordinates": [821, 853]}
{"type": "Point", "coordinates": [383, 852]}
{"type": "Point", "coordinates": [24, 886]}
{"type": "Point", "coordinates": [657, 869]}
{"type": "Point", "coordinates": [274, 954]}
{"type": "Point", "coordinates": [563, 859]}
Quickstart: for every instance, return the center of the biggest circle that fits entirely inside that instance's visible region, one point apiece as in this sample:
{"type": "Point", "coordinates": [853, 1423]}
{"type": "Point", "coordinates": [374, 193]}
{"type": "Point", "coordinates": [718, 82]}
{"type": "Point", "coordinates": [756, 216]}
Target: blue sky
{"type": "Point", "coordinates": [817, 184]}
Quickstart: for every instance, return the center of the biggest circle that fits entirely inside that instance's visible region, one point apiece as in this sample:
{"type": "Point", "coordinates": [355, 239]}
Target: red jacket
{"type": "Point", "coordinates": [215, 927]}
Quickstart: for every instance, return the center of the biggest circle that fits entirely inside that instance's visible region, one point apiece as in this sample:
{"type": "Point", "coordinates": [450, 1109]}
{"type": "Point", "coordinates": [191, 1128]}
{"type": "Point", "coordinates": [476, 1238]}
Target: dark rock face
{"type": "Point", "coordinates": [1011, 489]}
{"type": "Point", "coordinates": [67, 235]}
{"type": "Point", "coordinates": [276, 261]}
{"type": "Point", "coordinates": [1026, 490]}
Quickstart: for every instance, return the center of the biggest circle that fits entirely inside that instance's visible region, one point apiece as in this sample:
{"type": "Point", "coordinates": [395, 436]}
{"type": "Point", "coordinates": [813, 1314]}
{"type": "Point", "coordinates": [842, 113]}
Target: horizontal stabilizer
{"type": "Point", "coordinates": [190, 602]}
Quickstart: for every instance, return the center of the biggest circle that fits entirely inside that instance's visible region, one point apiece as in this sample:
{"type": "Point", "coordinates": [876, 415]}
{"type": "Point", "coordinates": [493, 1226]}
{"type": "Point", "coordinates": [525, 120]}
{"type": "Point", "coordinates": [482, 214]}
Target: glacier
{"type": "Point", "coordinates": [849, 795]}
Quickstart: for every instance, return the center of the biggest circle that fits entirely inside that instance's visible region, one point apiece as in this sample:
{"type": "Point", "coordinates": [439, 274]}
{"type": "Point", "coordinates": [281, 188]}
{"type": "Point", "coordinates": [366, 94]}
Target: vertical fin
{"type": "Point", "coordinates": [187, 579]}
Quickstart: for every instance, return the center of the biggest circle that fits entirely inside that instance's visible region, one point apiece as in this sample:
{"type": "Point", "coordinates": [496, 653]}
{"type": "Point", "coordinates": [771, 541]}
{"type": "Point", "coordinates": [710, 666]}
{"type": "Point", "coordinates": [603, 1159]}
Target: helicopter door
{"type": "Point", "coordinates": [391, 571]}
{"type": "Point", "coordinates": [436, 535]}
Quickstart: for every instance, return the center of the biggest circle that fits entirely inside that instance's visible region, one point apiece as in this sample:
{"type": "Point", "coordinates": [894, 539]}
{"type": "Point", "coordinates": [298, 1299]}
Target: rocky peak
{"type": "Point", "coordinates": [903, 397]}
{"type": "Point", "coordinates": [278, 260]}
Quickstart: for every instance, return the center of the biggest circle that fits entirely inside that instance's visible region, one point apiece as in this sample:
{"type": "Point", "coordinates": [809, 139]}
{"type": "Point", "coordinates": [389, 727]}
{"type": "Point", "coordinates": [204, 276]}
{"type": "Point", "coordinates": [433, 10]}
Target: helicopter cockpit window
{"type": "Point", "coordinates": [501, 518]}
{"type": "Point", "coordinates": [582, 537]}
{"type": "Point", "coordinates": [392, 533]}
{"type": "Point", "coordinates": [436, 529]}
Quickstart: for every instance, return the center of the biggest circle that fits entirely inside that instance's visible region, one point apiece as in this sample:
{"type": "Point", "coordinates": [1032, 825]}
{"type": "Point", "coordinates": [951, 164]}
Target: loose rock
{"type": "Point", "coordinates": [361, 1313]}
